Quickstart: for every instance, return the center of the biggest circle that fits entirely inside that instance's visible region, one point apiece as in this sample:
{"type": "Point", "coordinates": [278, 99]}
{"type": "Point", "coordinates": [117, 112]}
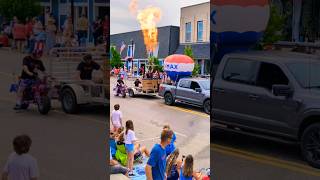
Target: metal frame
{"type": "Point", "coordinates": [62, 66]}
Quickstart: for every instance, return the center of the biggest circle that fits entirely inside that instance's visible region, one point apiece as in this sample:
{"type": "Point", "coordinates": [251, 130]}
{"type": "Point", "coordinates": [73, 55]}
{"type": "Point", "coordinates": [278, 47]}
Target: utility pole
{"type": "Point", "coordinates": [72, 13]}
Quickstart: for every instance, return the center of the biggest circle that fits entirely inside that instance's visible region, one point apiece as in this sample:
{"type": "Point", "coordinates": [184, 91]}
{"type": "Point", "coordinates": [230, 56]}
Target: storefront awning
{"type": "Point", "coordinates": [200, 51]}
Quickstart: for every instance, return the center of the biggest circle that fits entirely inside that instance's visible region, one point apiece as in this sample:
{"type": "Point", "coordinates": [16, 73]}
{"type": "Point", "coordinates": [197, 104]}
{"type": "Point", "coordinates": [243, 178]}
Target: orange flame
{"type": "Point", "coordinates": [148, 19]}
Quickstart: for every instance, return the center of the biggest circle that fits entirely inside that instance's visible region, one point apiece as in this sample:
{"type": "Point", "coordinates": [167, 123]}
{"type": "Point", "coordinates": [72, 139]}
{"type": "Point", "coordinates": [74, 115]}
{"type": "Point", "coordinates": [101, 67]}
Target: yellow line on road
{"type": "Point", "coordinates": [188, 111]}
{"type": "Point", "coordinates": [292, 166]}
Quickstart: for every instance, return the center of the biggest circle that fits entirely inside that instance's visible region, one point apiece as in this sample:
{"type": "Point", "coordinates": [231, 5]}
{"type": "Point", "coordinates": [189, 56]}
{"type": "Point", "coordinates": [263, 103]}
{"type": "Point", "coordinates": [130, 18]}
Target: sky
{"type": "Point", "coordinates": [122, 21]}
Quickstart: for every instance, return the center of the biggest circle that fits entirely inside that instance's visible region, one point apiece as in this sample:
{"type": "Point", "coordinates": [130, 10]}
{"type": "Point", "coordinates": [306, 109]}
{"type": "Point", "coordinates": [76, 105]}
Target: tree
{"type": "Point", "coordinates": [20, 9]}
{"type": "Point", "coordinates": [154, 64]}
{"type": "Point", "coordinates": [188, 52]}
{"type": "Point", "coordinates": [115, 58]}
{"type": "Point", "coordinates": [274, 30]}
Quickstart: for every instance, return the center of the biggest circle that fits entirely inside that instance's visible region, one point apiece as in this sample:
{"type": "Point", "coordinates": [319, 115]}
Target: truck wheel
{"type": "Point", "coordinates": [130, 92]}
{"type": "Point", "coordinates": [69, 101]}
{"type": "Point", "coordinates": [168, 99]}
{"type": "Point", "coordinates": [310, 145]}
{"type": "Point", "coordinates": [206, 106]}
{"type": "Point", "coordinates": [44, 105]}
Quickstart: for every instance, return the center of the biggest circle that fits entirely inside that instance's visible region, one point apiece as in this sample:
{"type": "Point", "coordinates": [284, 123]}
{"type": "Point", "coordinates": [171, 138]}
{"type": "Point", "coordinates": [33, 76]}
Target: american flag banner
{"type": "Point", "coordinates": [123, 45]}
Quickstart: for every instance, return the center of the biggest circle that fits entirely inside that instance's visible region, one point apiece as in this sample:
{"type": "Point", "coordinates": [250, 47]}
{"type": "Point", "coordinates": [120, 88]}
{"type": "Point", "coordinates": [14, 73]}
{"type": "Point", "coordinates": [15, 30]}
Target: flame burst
{"type": "Point", "coordinates": [148, 19]}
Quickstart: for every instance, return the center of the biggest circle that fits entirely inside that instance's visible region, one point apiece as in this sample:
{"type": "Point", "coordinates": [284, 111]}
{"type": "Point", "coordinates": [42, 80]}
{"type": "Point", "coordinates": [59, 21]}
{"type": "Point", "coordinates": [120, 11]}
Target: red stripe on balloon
{"type": "Point", "coordinates": [178, 58]}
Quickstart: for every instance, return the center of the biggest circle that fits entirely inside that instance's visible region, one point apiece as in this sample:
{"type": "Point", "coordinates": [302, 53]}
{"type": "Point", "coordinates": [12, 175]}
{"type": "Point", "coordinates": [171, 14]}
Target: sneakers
{"type": "Point", "coordinates": [130, 173]}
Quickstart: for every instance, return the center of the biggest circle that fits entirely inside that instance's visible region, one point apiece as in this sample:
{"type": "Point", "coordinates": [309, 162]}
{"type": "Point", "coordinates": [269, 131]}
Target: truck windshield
{"type": "Point", "coordinates": [205, 84]}
{"type": "Point", "coordinates": [307, 74]}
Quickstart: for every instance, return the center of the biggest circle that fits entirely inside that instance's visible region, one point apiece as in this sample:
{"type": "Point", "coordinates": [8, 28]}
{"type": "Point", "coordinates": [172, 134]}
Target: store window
{"type": "Point", "coordinates": [188, 32]}
{"type": "Point", "coordinates": [200, 31]}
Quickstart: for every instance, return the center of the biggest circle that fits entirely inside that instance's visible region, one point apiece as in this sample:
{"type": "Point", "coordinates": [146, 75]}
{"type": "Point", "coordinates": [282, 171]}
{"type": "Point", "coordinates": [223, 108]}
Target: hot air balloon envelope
{"type": "Point", "coordinates": [177, 66]}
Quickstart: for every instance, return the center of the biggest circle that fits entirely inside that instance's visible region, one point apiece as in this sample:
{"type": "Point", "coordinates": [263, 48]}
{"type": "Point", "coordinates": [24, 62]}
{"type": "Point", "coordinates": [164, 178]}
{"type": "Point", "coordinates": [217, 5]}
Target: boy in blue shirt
{"type": "Point", "coordinates": [156, 165]}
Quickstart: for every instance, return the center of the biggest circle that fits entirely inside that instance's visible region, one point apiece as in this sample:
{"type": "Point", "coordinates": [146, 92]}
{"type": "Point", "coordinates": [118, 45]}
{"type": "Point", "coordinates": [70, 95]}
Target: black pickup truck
{"type": "Point", "coordinates": [273, 95]}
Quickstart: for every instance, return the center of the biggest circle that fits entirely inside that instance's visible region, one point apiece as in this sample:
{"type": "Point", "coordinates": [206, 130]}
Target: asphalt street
{"type": "Point", "coordinates": [241, 157]}
{"type": "Point", "coordinates": [149, 114]}
{"type": "Point", "coordinates": [65, 146]}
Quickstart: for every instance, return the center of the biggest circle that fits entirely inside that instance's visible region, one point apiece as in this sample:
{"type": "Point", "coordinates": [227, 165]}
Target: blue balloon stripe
{"type": "Point", "coordinates": [236, 38]}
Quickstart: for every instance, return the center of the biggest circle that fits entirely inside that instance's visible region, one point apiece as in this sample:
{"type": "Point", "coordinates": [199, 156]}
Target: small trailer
{"type": "Point", "coordinates": [72, 92]}
{"type": "Point", "coordinates": [148, 87]}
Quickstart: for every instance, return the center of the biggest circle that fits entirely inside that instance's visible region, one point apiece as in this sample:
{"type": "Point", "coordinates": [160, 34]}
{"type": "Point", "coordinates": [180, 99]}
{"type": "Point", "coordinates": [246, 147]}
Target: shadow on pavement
{"type": "Point", "coordinates": [94, 110]}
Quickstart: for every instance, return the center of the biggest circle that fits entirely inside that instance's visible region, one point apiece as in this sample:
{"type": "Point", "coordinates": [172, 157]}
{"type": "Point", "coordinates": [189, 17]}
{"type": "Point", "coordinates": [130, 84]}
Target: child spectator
{"type": "Point", "coordinates": [20, 164]}
{"type": "Point", "coordinates": [173, 165]}
{"type": "Point", "coordinates": [116, 168]}
{"type": "Point", "coordinates": [40, 40]}
{"type": "Point", "coordinates": [186, 172]}
{"type": "Point", "coordinates": [170, 147]}
{"type": "Point", "coordinates": [130, 139]}
{"type": "Point", "coordinates": [121, 154]}
{"type": "Point", "coordinates": [112, 143]}
{"type": "Point", "coordinates": [116, 118]}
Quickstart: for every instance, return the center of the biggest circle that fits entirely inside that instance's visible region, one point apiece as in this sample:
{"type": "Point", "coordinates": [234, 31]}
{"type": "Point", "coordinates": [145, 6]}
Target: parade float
{"type": "Point", "coordinates": [73, 93]}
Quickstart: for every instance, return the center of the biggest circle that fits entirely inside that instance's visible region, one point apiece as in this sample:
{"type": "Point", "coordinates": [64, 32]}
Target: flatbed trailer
{"type": "Point", "coordinates": [73, 92]}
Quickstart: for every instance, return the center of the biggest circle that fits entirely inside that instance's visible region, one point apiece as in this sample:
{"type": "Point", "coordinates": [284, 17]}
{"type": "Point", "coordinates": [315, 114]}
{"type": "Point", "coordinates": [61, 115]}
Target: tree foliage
{"type": "Point", "coordinates": [188, 52]}
{"type": "Point", "coordinates": [276, 24]}
{"type": "Point", "coordinates": [155, 65]}
{"type": "Point", "coordinates": [115, 58]}
{"type": "Point", "coordinates": [20, 8]}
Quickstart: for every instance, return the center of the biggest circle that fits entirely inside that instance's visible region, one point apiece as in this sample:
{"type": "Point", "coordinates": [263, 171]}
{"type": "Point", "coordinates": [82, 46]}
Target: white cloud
{"type": "Point", "coordinates": [123, 21]}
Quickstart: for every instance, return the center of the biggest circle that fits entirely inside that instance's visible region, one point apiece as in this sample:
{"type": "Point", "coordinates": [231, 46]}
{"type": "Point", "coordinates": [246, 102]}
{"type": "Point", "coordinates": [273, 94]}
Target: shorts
{"type": "Point", "coordinates": [117, 169]}
{"type": "Point", "coordinates": [130, 147]}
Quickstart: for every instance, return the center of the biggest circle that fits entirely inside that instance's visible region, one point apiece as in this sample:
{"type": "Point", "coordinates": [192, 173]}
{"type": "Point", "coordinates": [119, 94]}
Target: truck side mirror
{"type": "Point", "coordinates": [282, 90]}
{"type": "Point", "coordinates": [198, 90]}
